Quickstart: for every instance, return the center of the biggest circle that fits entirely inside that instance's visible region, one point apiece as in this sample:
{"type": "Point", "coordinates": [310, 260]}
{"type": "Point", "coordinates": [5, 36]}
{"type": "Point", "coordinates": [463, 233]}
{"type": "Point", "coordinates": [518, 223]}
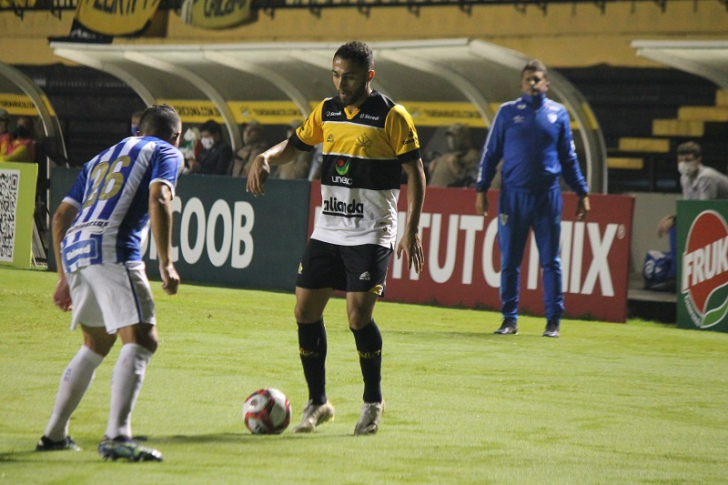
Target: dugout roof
{"type": "Point", "coordinates": [708, 59]}
{"type": "Point", "coordinates": [450, 70]}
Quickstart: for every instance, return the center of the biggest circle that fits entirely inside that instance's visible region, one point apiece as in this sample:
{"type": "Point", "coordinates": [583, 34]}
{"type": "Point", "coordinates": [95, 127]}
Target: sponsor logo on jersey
{"type": "Point", "coordinates": [363, 141]}
{"type": "Point", "coordinates": [518, 119]}
{"type": "Point", "coordinates": [330, 138]}
{"type": "Point", "coordinates": [342, 166]}
{"type": "Point", "coordinates": [94, 227]}
{"type": "Point", "coordinates": [84, 249]}
{"type": "Point", "coordinates": [411, 138]}
{"type": "Point", "coordinates": [366, 116]}
{"type": "Point", "coordinates": [336, 207]}
{"type": "Point", "coordinates": [333, 113]}
{"type": "Point", "coordinates": [705, 270]}
{"type": "Point", "coordinates": [365, 276]}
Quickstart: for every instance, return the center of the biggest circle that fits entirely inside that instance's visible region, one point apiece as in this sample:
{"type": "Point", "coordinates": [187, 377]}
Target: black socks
{"type": "Point", "coordinates": [312, 347]}
{"type": "Point", "coordinates": [369, 345]}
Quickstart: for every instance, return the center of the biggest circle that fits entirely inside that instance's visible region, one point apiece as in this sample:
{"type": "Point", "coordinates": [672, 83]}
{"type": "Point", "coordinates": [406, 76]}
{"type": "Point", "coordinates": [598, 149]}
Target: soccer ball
{"type": "Point", "coordinates": [267, 411]}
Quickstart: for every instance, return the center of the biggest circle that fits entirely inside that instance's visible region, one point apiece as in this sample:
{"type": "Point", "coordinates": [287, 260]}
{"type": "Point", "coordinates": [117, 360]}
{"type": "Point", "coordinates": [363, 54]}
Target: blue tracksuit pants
{"type": "Point", "coordinates": [518, 212]}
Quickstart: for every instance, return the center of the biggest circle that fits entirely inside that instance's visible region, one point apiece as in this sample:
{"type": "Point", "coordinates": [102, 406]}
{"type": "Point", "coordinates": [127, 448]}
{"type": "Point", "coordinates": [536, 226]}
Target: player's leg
{"type": "Point", "coordinates": [366, 268]}
{"type": "Point", "coordinates": [513, 229]}
{"type": "Point", "coordinates": [79, 373]}
{"type": "Point", "coordinates": [547, 231]}
{"type": "Point", "coordinates": [126, 300]}
{"type": "Point", "coordinates": [317, 276]}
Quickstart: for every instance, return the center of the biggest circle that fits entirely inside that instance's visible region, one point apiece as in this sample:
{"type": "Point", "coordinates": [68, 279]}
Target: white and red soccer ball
{"type": "Point", "coordinates": [267, 411]}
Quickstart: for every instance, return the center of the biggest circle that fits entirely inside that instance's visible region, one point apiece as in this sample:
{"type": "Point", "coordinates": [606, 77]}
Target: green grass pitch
{"type": "Point", "coordinates": [606, 403]}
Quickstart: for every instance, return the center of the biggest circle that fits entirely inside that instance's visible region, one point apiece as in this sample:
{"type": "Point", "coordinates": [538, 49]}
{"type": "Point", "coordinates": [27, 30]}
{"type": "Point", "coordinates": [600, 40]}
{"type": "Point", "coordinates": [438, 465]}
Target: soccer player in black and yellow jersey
{"type": "Point", "coordinates": [367, 141]}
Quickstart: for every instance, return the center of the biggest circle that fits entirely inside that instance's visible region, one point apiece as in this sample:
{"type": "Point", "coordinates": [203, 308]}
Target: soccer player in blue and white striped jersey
{"type": "Point", "coordinates": [97, 232]}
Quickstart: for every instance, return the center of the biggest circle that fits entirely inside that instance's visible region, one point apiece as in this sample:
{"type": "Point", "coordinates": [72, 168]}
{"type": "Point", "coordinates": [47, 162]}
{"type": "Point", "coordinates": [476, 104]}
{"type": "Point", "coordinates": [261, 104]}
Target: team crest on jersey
{"type": "Point", "coordinates": [552, 117]}
{"type": "Point", "coordinates": [518, 119]}
{"type": "Point", "coordinates": [503, 219]}
{"type": "Point", "coordinates": [363, 141]}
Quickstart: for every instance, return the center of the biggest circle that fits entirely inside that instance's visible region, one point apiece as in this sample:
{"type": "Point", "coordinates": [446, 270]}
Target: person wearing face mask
{"type": "Point", "coordinates": [136, 116]}
{"type": "Point", "coordinates": [254, 144]}
{"type": "Point", "coordinates": [532, 136]}
{"type": "Point", "coordinates": [216, 155]}
{"type": "Point", "coordinates": [22, 147]}
{"type": "Point", "coordinates": [698, 182]}
{"type": "Point", "coordinates": [459, 166]}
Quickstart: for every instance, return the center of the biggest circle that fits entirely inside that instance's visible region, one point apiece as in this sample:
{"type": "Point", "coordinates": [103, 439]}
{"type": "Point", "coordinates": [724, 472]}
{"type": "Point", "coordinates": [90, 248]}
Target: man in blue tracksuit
{"type": "Point", "coordinates": [533, 137]}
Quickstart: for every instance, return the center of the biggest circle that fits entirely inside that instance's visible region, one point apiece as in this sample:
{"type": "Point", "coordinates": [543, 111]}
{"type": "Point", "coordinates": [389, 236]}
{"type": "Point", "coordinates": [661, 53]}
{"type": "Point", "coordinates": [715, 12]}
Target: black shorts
{"type": "Point", "coordinates": [346, 268]}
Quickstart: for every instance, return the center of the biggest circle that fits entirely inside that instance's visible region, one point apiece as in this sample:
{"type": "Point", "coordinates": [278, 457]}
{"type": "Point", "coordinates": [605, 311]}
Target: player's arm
{"type": "Point", "coordinates": [62, 220]}
{"type": "Point", "coordinates": [160, 218]}
{"type": "Point", "coordinates": [489, 160]}
{"type": "Point", "coordinates": [410, 242]}
{"type": "Point", "coordinates": [281, 153]}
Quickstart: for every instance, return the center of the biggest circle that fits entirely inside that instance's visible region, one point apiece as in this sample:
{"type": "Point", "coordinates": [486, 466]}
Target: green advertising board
{"type": "Point", "coordinates": [222, 235]}
{"type": "Point", "coordinates": [702, 271]}
{"type": "Point", "coordinates": [17, 204]}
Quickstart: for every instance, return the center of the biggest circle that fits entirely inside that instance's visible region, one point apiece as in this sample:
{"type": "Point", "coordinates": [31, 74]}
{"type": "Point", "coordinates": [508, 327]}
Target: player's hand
{"type": "Point", "coordinates": [582, 208]}
{"type": "Point", "coordinates": [665, 225]}
{"type": "Point", "coordinates": [62, 295]}
{"type": "Point", "coordinates": [257, 176]}
{"type": "Point", "coordinates": [170, 278]}
{"type": "Point", "coordinates": [481, 203]}
{"type": "Point", "coordinates": [412, 247]}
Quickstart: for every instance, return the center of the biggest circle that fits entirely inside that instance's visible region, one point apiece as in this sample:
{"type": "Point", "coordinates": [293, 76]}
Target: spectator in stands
{"type": "Point", "coordinates": [216, 155]}
{"type": "Point", "coordinates": [299, 167]}
{"type": "Point", "coordinates": [22, 146]}
{"type": "Point", "coordinates": [532, 136]}
{"type": "Point", "coordinates": [698, 182]}
{"type": "Point", "coordinates": [5, 136]}
{"type": "Point", "coordinates": [254, 144]}
{"type": "Point", "coordinates": [136, 117]}
{"type": "Point", "coordinates": [459, 166]}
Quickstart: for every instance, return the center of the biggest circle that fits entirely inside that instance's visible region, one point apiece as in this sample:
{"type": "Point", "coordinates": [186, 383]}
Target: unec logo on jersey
{"type": "Point", "coordinates": [705, 270]}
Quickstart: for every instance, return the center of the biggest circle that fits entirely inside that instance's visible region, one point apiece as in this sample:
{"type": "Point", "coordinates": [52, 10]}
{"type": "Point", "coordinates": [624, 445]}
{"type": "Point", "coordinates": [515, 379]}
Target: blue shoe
{"type": "Point", "coordinates": [123, 447]}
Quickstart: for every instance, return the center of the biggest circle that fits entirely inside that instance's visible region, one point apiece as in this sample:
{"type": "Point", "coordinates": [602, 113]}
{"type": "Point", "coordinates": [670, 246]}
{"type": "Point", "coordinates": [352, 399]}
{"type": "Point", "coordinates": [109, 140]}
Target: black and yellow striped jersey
{"type": "Point", "coordinates": [363, 152]}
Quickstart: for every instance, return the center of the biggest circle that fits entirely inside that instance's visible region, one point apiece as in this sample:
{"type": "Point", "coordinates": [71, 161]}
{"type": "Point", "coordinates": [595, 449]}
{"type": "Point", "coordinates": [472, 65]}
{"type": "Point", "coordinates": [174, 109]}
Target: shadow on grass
{"type": "Point", "coordinates": [244, 438]}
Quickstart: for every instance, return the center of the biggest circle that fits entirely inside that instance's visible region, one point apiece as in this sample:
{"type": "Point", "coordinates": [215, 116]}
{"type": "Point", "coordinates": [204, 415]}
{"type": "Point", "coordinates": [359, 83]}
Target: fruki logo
{"type": "Point", "coordinates": [705, 270]}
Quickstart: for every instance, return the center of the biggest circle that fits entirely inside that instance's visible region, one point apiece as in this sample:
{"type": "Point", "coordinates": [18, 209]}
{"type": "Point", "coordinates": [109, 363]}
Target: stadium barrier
{"type": "Point", "coordinates": [462, 259]}
{"type": "Point", "coordinates": [702, 272]}
{"type": "Point", "coordinates": [222, 235]}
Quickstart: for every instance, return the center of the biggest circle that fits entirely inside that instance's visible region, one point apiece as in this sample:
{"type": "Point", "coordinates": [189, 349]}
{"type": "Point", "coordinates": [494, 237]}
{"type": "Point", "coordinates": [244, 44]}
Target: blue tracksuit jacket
{"type": "Point", "coordinates": [532, 136]}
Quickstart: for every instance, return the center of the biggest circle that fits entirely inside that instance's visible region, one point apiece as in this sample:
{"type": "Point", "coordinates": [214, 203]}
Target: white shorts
{"type": "Point", "coordinates": [111, 295]}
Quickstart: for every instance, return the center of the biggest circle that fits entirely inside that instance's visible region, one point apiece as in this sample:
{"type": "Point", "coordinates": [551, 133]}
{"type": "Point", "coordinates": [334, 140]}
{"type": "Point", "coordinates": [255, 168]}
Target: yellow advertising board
{"type": "Point", "coordinates": [217, 14]}
{"type": "Point", "coordinates": [21, 105]}
{"type": "Point", "coordinates": [115, 17]}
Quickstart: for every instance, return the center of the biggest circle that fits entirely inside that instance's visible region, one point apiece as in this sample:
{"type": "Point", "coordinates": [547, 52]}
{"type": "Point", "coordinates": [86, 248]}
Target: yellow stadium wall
{"type": "Point", "coordinates": [567, 35]}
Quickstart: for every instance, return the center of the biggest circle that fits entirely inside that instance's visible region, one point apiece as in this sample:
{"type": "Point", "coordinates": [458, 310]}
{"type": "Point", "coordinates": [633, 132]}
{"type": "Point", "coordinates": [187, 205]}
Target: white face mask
{"type": "Point", "coordinates": [687, 168]}
{"type": "Point", "coordinates": [207, 142]}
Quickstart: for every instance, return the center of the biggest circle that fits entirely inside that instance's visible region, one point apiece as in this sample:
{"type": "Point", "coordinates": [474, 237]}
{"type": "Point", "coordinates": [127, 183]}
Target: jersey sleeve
{"type": "Point", "coordinates": [492, 152]}
{"type": "Point", "coordinates": [75, 195]}
{"type": "Point", "coordinates": [569, 161]}
{"type": "Point", "coordinates": [167, 166]}
{"type": "Point", "coordinates": [311, 132]}
{"type": "Point", "coordinates": [402, 134]}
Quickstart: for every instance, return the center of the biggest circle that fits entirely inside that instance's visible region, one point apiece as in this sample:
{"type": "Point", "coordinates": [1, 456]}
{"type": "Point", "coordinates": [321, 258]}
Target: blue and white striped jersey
{"type": "Point", "coordinates": [112, 195]}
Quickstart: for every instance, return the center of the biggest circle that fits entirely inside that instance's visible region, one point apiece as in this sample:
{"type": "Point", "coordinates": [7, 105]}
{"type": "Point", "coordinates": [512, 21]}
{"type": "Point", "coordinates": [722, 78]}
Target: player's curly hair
{"type": "Point", "coordinates": [357, 52]}
{"type": "Point", "coordinates": [159, 120]}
